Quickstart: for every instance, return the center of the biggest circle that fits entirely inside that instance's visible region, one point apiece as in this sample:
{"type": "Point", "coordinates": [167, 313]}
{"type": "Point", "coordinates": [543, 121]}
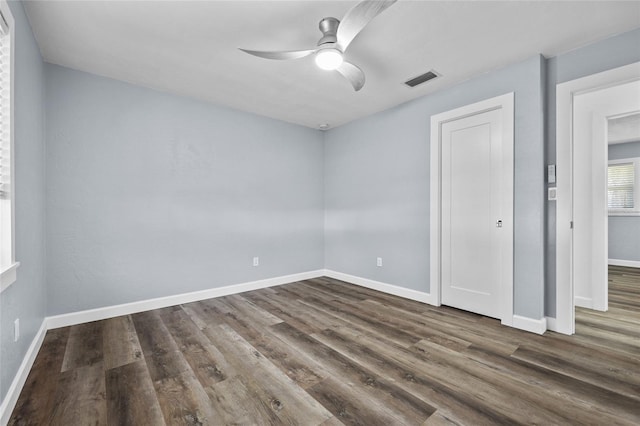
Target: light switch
{"type": "Point", "coordinates": [551, 174]}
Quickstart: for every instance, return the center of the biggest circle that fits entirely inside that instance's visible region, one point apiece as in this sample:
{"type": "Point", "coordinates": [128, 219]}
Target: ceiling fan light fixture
{"type": "Point", "coordinates": [336, 37]}
{"type": "Point", "coordinates": [329, 59]}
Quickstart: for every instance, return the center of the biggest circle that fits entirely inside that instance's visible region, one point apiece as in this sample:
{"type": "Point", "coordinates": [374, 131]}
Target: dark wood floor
{"type": "Point", "coordinates": [322, 352]}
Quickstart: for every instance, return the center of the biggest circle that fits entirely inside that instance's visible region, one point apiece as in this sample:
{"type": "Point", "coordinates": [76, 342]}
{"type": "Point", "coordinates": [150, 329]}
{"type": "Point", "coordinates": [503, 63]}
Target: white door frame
{"type": "Point", "coordinates": [505, 104]}
{"type": "Point", "coordinates": [565, 93]}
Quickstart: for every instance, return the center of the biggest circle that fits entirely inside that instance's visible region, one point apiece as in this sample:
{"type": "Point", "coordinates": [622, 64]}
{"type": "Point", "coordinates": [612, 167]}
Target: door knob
{"type": "Point", "coordinates": [499, 224]}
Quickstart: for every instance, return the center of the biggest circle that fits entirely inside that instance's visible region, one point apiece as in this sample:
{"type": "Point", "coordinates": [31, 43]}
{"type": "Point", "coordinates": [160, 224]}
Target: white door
{"type": "Point", "coordinates": [474, 226]}
{"type": "Point", "coordinates": [566, 261]}
{"type": "Point", "coordinates": [590, 214]}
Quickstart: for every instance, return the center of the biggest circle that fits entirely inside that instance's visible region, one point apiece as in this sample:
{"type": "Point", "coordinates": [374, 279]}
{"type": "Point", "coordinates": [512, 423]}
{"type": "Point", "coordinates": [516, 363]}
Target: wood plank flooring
{"type": "Point", "coordinates": [323, 352]}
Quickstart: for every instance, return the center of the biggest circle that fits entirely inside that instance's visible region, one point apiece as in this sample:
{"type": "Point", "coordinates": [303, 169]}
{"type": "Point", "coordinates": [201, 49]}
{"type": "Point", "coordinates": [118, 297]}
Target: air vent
{"type": "Point", "coordinates": [430, 75]}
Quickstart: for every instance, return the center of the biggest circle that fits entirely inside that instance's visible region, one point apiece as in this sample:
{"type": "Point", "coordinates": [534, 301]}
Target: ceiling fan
{"type": "Point", "coordinates": [336, 37]}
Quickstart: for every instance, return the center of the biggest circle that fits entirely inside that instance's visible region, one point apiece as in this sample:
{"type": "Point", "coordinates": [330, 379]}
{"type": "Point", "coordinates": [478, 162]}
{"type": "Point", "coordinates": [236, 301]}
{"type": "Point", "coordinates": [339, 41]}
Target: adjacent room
{"type": "Point", "coordinates": [391, 212]}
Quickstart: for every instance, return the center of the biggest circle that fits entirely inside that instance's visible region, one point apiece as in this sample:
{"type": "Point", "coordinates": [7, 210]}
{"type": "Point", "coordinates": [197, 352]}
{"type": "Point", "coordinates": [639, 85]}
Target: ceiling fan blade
{"type": "Point", "coordinates": [357, 18]}
{"type": "Point", "coordinates": [353, 74]}
{"type": "Point", "coordinates": [291, 54]}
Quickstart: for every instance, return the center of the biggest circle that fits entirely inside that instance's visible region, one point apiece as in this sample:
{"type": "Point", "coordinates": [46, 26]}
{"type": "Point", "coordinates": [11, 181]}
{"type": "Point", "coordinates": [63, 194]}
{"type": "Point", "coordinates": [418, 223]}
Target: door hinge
{"type": "Point", "coordinates": [571, 225]}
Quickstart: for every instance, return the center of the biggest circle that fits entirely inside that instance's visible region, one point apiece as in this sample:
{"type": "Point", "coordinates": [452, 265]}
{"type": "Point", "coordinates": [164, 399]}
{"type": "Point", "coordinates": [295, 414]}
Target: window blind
{"type": "Point", "coordinates": [621, 178]}
{"type": "Point", "coordinates": [5, 88]}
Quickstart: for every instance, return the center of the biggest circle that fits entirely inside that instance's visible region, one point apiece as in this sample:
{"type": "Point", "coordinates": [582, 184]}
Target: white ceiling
{"type": "Point", "coordinates": [190, 47]}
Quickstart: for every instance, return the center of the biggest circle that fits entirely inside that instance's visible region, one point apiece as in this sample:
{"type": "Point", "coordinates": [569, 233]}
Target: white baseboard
{"type": "Point", "coordinates": [530, 324]}
{"type": "Point", "coordinates": [380, 286]}
{"type": "Point", "coordinates": [583, 302]}
{"type": "Point", "coordinates": [64, 320]}
{"type": "Point", "coordinates": [10, 399]}
{"type": "Point", "coordinates": [552, 324]}
{"type": "Point", "coordinates": [80, 317]}
{"type": "Point", "coordinates": [627, 263]}
{"type": "Point", "coordinates": [522, 323]}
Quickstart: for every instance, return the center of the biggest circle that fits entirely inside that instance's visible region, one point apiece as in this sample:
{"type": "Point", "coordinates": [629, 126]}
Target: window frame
{"type": "Point", "coordinates": [635, 211]}
{"type": "Point", "coordinates": [8, 264]}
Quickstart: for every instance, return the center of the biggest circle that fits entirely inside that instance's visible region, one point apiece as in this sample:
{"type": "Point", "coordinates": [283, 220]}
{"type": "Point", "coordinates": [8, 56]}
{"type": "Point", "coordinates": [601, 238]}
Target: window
{"type": "Point", "coordinates": [623, 187]}
{"type": "Point", "coordinates": [8, 265]}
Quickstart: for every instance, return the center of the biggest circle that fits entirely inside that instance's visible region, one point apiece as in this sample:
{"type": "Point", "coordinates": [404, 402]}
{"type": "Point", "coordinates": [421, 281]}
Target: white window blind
{"type": "Point", "coordinates": [621, 179]}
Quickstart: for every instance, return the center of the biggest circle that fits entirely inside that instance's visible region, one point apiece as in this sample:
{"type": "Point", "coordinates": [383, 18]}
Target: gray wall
{"type": "Point", "coordinates": [377, 186]}
{"type": "Point", "coordinates": [150, 194]}
{"type": "Point", "coordinates": [620, 151]}
{"type": "Point", "coordinates": [624, 231]}
{"type": "Point", "coordinates": [25, 299]}
{"type": "Point", "coordinates": [611, 53]}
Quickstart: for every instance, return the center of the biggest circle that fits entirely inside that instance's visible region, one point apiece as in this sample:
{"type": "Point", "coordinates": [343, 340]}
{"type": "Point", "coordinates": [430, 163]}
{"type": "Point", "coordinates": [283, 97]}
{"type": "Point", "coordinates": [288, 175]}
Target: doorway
{"type": "Point", "coordinates": [472, 208]}
{"type": "Point", "coordinates": [584, 107]}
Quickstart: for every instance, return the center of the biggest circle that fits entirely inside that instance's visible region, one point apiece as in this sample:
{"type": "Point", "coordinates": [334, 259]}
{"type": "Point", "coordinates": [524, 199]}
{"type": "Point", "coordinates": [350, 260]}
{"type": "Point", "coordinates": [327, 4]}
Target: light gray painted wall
{"type": "Point", "coordinates": [150, 194]}
{"type": "Point", "coordinates": [619, 151]}
{"type": "Point", "coordinates": [611, 53]}
{"type": "Point", "coordinates": [25, 299]}
{"type": "Point", "coordinates": [624, 238]}
{"type": "Point", "coordinates": [377, 186]}
{"type": "Point", "coordinates": [624, 231]}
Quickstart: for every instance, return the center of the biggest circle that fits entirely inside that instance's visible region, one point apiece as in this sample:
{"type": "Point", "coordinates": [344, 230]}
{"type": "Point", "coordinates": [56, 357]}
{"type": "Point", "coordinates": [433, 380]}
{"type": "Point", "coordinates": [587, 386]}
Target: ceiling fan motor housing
{"type": "Point", "coordinates": [329, 28]}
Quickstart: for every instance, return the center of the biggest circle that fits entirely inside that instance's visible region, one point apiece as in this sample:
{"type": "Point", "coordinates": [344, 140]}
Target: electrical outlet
{"type": "Point", "coordinates": [16, 329]}
{"type": "Point", "coordinates": [256, 261]}
{"type": "Point", "coordinates": [379, 261]}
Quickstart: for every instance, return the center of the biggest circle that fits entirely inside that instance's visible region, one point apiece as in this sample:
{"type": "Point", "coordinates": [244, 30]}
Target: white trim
{"type": "Point", "coordinates": [64, 320]}
{"type": "Point", "coordinates": [7, 204]}
{"type": "Point", "coordinates": [565, 92]}
{"type": "Point", "coordinates": [10, 399]}
{"type": "Point", "coordinates": [622, 213]}
{"type": "Point", "coordinates": [624, 160]}
{"type": "Point", "coordinates": [434, 214]}
{"type": "Point", "coordinates": [74, 318]}
{"type": "Point", "coordinates": [627, 263]}
{"type": "Point", "coordinates": [8, 276]}
{"type": "Point", "coordinates": [506, 104]}
{"type": "Point", "coordinates": [617, 141]}
{"type": "Point", "coordinates": [551, 324]}
{"type": "Point", "coordinates": [517, 321]}
{"type": "Point", "coordinates": [380, 286]}
{"type": "Point", "coordinates": [80, 317]}
{"type": "Point", "coordinates": [583, 302]}
{"type": "Point", "coordinates": [529, 324]}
